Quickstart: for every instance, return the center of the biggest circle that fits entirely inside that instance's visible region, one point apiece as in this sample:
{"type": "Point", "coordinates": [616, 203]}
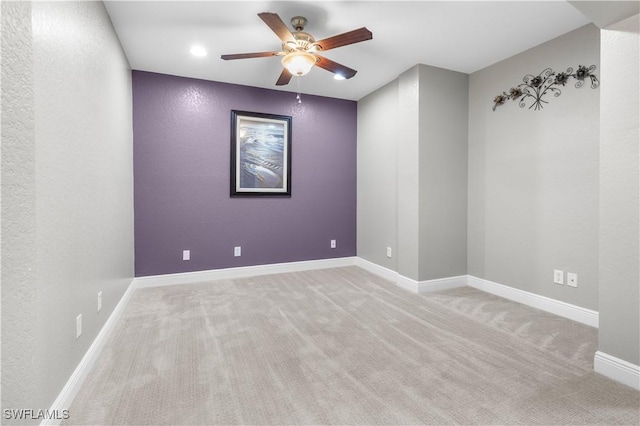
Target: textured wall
{"type": "Point", "coordinates": [76, 171]}
{"type": "Point", "coordinates": [620, 191]}
{"type": "Point", "coordinates": [181, 161]}
{"type": "Point", "coordinates": [19, 377]}
{"type": "Point", "coordinates": [84, 176]}
{"type": "Point", "coordinates": [533, 175]}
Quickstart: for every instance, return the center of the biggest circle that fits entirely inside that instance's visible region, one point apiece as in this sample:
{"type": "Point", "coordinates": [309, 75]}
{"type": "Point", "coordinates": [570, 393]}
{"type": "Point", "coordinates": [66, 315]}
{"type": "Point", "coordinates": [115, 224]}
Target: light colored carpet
{"type": "Point", "coordinates": [343, 346]}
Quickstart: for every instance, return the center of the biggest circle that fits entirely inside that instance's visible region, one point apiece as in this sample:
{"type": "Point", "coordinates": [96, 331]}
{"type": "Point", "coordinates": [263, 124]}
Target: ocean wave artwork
{"type": "Point", "coordinates": [261, 154]}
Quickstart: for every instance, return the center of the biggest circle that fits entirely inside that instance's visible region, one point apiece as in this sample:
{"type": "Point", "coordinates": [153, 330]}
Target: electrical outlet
{"type": "Point", "coordinates": [186, 254]}
{"type": "Point", "coordinates": [572, 279]}
{"type": "Point", "coordinates": [558, 276]}
{"type": "Point", "coordinates": [99, 301]}
{"type": "Point", "coordinates": [237, 251]}
{"type": "Point", "coordinates": [388, 251]}
{"type": "Point", "coordinates": [78, 325]}
{"type": "Point", "coordinates": [333, 243]}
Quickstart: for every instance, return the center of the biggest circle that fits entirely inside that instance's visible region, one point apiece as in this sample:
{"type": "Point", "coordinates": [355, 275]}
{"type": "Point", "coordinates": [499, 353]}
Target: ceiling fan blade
{"type": "Point", "coordinates": [284, 78]}
{"type": "Point", "coordinates": [335, 67]}
{"type": "Point", "coordinates": [355, 36]}
{"type": "Point", "coordinates": [274, 22]}
{"type": "Point", "coordinates": [249, 55]}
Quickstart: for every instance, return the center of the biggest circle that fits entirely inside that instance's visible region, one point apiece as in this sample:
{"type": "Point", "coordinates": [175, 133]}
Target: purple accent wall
{"type": "Point", "coordinates": [181, 148]}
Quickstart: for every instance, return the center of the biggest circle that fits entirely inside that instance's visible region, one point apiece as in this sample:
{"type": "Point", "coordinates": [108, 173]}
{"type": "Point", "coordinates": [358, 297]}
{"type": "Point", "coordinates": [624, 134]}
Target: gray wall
{"type": "Point", "coordinates": [67, 191]}
{"type": "Point", "coordinates": [376, 180]}
{"type": "Point", "coordinates": [444, 102]}
{"type": "Point", "coordinates": [408, 179]}
{"type": "Point", "coordinates": [412, 174]}
{"type": "Point", "coordinates": [533, 175]}
{"type": "Point", "coordinates": [619, 192]}
{"type": "Point", "coordinates": [551, 189]}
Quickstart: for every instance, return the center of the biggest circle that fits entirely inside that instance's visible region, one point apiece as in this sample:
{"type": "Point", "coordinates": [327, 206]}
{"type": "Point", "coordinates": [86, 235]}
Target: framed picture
{"type": "Point", "coordinates": [260, 154]}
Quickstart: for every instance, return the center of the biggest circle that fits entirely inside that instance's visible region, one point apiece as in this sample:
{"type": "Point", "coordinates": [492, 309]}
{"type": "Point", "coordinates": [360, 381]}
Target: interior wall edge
{"type": "Point", "coordinates": [617, 369]}
{"type": "Point", "coordinates": [81, 372]}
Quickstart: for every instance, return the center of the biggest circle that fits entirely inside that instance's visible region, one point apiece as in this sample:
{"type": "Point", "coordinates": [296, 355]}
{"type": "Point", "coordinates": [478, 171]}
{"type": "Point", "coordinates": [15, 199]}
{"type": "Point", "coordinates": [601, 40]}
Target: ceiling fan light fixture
{"type": "Point", "coordinates": [298, 63]}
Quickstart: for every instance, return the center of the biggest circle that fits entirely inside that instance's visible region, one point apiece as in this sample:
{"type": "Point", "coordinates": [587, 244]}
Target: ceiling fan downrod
{"type": "Point", "coordinates": [298, 22]}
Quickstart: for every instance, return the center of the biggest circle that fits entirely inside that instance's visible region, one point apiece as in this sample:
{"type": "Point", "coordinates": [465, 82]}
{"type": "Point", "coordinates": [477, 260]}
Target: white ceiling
{"type": "Point", "coordinates": [460, 36]}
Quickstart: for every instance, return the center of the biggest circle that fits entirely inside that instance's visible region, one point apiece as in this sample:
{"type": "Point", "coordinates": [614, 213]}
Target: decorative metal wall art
{"type": "Point", "coordinates": [536, 87]}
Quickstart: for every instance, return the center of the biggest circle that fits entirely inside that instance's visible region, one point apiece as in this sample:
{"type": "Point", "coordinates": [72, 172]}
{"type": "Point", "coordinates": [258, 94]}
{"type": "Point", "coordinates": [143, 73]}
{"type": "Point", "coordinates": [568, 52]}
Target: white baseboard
{"type": "Point", "coordinates": [443, 283]}
{"type": "Point", "coordinates": [71, 388]}
{"type": "Point", "coordinates": [240, 272]}
{"type": "Point", "coordinates": [563, 309]}
{"type": "Point", "coordinates": [411, 284]}
{"type": "Point", "coordinates": [617, 369]}
{"type": "Point", "coordinates": [387, 274]}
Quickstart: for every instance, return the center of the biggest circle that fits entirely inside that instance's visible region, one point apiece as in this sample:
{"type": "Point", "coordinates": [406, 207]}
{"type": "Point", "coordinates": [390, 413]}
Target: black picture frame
{"type": "Point", "coordinates": [260, 154]}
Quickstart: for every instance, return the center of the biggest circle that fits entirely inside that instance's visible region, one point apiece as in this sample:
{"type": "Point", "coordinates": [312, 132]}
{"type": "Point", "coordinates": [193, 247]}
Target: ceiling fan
{"type": "Point", "coordinates": [299, 49]}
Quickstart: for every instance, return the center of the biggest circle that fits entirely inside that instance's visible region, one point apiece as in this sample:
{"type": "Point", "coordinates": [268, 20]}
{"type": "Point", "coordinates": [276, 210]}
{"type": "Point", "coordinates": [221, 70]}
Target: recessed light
{"type": "Point", "coordinates": [338, 77]}
{"type": "Point", "coordinates": [198, 51]}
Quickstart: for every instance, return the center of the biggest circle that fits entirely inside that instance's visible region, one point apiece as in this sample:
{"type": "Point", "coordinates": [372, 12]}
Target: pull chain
{"type": "Point", "coordinates": [298, 88]}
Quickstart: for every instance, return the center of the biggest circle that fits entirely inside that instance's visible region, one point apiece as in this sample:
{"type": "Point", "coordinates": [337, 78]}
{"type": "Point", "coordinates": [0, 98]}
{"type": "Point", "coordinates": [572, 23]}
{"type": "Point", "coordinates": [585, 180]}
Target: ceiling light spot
{"type": "Point", "coordinates": [198, 51]}
{"type": "Point", "coordinates": [338, 77]}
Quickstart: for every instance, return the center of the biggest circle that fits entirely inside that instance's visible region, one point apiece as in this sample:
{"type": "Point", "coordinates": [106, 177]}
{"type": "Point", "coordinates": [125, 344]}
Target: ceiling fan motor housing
{"type": "Point", "coordinates": [304, 41]}
{"type": "Point", "coordinates": [298, 22]}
